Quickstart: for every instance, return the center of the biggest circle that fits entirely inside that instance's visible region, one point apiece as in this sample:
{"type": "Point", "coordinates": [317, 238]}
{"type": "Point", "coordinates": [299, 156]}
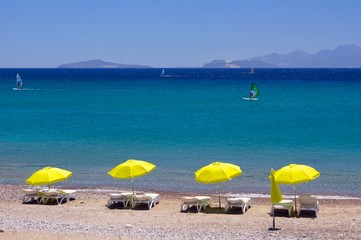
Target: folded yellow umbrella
{"type": "Point", "coordinates": [276, 195]}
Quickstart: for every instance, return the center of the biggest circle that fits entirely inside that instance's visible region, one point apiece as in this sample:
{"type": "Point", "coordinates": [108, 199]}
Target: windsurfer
{"type": "Point", "coordinates": [251, 94]}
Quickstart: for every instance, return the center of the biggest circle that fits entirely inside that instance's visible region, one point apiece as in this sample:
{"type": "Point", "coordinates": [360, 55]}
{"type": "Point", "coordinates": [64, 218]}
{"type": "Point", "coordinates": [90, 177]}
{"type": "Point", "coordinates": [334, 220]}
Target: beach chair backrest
{"type": "Point", "coordinates": [308, 200]}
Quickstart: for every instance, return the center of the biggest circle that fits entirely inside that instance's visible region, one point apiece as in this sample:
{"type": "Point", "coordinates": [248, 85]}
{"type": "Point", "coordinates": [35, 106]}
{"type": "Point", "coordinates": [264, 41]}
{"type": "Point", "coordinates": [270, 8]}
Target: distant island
{"type": "Point", "coordinates": [97, 63]}
{"type": "Point", "coordinates": [344, 56]}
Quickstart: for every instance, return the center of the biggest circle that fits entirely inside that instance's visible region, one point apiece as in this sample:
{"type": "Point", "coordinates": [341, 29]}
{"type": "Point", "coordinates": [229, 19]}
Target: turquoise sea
{"type": "Point", "coordinates": [90, 120]}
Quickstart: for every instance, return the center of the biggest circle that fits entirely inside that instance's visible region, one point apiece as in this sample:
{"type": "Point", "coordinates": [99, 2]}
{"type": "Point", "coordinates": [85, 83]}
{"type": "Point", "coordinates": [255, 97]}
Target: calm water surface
{"type": "Point", "coordinates": [89, 120]}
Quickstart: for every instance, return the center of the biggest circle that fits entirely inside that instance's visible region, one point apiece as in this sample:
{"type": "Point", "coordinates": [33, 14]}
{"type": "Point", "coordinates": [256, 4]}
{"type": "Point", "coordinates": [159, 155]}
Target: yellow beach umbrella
{"type": "Point", "coordinates": [296, 174]}
{"type": "Point", "coordinates": [276, 195]}
{"type": "Point", "coordinates": [217, 172]}
{"type": "Point", "coordinates": [131, 169]}
{"type": "Point", "coordinates": [48, 176]}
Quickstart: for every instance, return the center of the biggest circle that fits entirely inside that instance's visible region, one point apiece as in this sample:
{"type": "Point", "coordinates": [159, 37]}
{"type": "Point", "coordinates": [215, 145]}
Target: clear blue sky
{"type": "Point", "coordinates": [170, 33]}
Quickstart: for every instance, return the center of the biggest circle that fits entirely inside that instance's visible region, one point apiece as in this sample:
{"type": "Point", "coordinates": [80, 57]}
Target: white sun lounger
{"type": "Point", "coordinates": [53, 194]}
{"type": "Point", "coordinates": [68, 194]}
{"type": "Point", "coordinates": [47, 195]}
{"type": "Point", "coordinates": [308, 203]}
{"type": "Point", "coordinates": [283, 205]}
{"type": "Point", "coordinates": [201, 202]}
{"type": "Point", "coordinates": [124, 198]}
{"type": "Point", "coordinates": [151, 199]}
{"type": "Point", "coordinates": [243, 203]}
{"type": "Point", "coordinates": [29, 195]}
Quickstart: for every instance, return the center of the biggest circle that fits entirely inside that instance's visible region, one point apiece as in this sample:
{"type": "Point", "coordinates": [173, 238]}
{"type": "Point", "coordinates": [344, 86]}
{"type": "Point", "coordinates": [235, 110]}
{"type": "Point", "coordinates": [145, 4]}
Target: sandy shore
{"type": "Point", "coordinates": [88, 217]}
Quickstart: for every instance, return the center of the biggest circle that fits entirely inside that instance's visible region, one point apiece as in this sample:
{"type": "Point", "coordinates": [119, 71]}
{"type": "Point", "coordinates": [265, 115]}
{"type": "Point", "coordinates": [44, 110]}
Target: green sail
{"type": "Point", "coordinates": [254, 89]}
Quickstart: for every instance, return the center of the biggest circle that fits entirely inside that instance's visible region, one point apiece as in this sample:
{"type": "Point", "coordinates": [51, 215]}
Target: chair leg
{"type": "Point", "coordinates": [205, 206]}
{"type": "Point", "coordinates": [199, 207]}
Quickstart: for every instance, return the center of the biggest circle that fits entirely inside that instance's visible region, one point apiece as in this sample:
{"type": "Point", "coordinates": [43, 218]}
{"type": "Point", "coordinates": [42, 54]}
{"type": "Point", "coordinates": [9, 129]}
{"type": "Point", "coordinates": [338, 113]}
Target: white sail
{"type": "Point", "coordinates": [164, 75]}
{"type": "Point", "coordinates": [19, 82]}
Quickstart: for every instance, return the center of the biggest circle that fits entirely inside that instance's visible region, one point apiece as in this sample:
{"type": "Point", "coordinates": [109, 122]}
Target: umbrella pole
{"type": "Point", "coordinates": [133, 185]}
{"type": "Point", "coordinates": [294, 191]}
{"type": "Point", "coordinates": [274, 219]}
{"type": "Point", "coordinates": [219, 195]}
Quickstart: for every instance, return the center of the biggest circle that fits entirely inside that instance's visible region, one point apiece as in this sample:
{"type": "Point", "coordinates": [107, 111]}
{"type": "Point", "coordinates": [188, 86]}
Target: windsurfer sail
{"type": "Point", "coordinates": [254, 91]}
{"type": "Point", "coordinates": [19, 82]}
{"type": "Point", "coordinates": [165, 75]}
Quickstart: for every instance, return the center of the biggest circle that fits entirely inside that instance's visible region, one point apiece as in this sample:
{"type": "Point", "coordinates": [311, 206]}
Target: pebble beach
{"type": "Point", "coordinates": [88, 217]}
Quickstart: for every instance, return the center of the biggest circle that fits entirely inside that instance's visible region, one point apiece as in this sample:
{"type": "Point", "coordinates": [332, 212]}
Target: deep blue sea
{"type": "Point", "coordinates": [90, 120]}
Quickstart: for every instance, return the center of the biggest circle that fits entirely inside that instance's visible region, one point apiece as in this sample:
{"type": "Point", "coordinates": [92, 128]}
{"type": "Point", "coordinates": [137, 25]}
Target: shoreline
{"type": "Point", "coordinates": [103, 189]}
{"type": "Point", "coordinates": [88, 217]}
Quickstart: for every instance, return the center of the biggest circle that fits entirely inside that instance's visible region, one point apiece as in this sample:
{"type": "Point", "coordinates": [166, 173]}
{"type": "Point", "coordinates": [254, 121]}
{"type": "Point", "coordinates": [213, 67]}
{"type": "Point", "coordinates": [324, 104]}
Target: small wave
{"type": "Point", "coordinates": [31, 89]}
{"type": "Point", "coordinates": [259, 195]}
{"type": "Point", "coordinates": [102, 190]}
{"type": "Point", "coordinates": [251, 195]}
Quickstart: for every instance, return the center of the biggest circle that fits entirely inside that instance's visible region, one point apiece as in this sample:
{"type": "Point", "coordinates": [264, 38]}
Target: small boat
{"type": "Point", "coordinates": [163, 74]}
{"type": "Point", "coordinates": [19, 82]}
{"type": "Point", "coordinates": [254, 92]}
{"type": "Point", "coordinates": [251, 71]}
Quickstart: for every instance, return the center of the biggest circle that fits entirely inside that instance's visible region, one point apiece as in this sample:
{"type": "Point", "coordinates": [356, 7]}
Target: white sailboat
{"type": "Point", "coordinates": [251, 71]}
{"type": "Point", "coordinates": [163, 74]}
{"type": "Point", "coordinates": [19, 82]}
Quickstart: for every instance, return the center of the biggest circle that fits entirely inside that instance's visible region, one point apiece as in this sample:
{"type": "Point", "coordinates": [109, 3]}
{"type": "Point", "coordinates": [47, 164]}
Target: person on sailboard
{"type": "Point", "coordinates": [251, 94]}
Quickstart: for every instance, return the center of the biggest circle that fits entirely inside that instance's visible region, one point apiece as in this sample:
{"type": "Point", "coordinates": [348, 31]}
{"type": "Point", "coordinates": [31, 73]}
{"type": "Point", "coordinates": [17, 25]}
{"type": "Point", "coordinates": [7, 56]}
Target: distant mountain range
{"type": "Point", "coordinates": [344, 56]}
{"type": "Point", "coordinates": [97, 63]}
